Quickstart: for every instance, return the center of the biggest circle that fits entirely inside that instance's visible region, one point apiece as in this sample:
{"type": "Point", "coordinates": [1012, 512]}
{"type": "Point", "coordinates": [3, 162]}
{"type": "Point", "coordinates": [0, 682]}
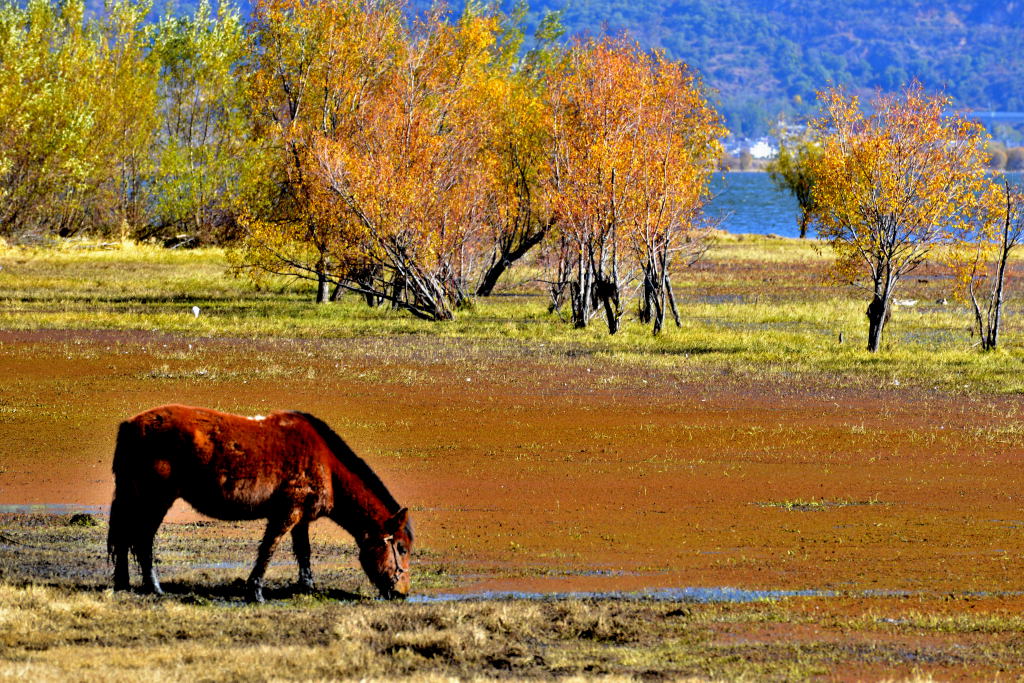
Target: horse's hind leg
{"type": "Point", "coordinates": [276, 528]}
{"type": "Point", "coordinates": [300, 546]}
{"type": "Point", "coordinates": [119, 541]}
{"type": "Point", "coordinates": [149, 522]}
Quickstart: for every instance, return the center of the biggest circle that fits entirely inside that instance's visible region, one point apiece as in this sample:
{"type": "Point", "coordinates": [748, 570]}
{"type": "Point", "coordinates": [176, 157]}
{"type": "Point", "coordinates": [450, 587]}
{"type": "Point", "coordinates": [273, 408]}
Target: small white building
{"type": "Point", "coordinates": [763, 149]}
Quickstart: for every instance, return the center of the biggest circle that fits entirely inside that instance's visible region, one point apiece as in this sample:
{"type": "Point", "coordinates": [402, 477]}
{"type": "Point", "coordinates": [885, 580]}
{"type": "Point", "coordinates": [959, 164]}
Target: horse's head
{"type": "Point", "coordinates": [385, 556]}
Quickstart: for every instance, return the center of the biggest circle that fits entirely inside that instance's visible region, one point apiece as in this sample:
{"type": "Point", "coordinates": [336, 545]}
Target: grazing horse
{"type": "Point", "coordinates": [288, 468]}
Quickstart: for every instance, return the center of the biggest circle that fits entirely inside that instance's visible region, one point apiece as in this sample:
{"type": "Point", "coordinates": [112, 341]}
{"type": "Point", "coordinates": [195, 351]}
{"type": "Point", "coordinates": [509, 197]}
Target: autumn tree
{"type": "Point", "coordinates": [984, 259]}
{"type": "Point", "coordinates": [202, 139]}
{"type": "Point", "coordinates": [634, 143]}
{"type": "Point", "coordinates": [409, 172]}
{"type": "Point", "coordinates": [892, 185]}
{"type": "Point", "coordinates": [77, 103]}
{"type": "Point", "coordinates": [313, 68]}
{"type": "Point", "coordinates": [675, 159]}
{"type": "Point", "coordinates": [125, 100]}
{"type": "Point", "coordinates": [791, 171]}
{"type": "Point", "coordinates": [515, 151]}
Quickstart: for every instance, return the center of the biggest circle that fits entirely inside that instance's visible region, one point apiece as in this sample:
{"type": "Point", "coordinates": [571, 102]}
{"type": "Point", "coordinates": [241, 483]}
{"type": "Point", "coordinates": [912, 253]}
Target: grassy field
{"type": "Point", "coordinates": [69, 627]}
{"type": "Point", "coordinates": [756, 307]}
{"type": "Point", "coordinates": [887, 483]}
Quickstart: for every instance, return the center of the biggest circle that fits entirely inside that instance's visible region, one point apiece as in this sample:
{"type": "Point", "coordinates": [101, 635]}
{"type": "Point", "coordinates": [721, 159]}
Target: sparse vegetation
{"type": "Point", "coordinates": [93, 301]}
{"type": "Point", "coordinates": [730, 323]}
{"type": "Point", "coordinates": [68, 627]}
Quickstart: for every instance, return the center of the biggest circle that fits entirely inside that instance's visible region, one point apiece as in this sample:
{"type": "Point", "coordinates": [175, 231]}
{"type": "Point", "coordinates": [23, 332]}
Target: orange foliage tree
{"type": "Point", "coordinates": [515, 152]}
{"type": "Point", "coordinates": [315, 65]}
{"type": "Point", "coordinates": [634, 143]}
{"type": "Point", "coordinates": [892, 185]}
{"type": "Point", "coordinates": [409, 170]}
{"type": "Point", "coordinates": [374, 176]}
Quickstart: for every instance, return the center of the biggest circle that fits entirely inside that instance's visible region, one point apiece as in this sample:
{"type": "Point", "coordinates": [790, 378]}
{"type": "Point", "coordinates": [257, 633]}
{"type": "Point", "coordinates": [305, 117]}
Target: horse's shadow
{"type": "Point", "coordinates": [235, 591]}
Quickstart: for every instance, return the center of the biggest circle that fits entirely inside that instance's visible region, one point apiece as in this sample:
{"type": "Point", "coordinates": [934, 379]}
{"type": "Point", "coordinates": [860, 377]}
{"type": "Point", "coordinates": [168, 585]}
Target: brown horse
{"type": "Point", "coordinates": [288, 468]}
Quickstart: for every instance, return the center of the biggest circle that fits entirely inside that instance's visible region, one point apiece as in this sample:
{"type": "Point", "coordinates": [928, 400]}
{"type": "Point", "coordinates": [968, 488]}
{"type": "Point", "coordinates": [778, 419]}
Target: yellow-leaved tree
{"type": "Point", "coordinates": [516, 150]}
{"type": "Point", "coordinates": [409, 171]}
{"type": "Point", "coordinates": [77, 103]}
{"type": "Point", "coordinates": [315, 66]}
{"type": "Point", "coordinates": [981, 263]}
{"type": "Point", "coordinates": [634, 142]}
{"type": "Point", "coordinates": [892, 185]}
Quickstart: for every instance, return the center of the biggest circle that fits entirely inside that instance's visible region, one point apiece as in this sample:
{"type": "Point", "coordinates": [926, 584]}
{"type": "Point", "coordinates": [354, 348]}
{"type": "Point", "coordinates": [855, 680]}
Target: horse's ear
{"type": "Point", "coordinates": [398, 521]}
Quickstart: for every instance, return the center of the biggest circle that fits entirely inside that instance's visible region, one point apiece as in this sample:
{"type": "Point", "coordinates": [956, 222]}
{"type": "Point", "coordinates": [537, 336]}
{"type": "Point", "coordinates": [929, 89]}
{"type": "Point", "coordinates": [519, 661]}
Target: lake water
{"type": "Point", "coordinates": [750, 203]}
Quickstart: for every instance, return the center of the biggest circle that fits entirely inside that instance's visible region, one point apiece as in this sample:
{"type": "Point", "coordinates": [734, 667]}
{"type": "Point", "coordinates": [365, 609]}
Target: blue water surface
{"type": "Point", "coordinates": [748, 203]}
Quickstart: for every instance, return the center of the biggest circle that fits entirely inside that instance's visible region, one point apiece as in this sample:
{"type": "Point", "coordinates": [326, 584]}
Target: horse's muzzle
{"type": "Point", "coordinates": [393, 594]}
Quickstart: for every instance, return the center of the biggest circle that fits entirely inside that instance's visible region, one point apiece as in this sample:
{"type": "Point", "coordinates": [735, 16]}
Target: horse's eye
{"type": "Point", "coordinates": [402, 550]}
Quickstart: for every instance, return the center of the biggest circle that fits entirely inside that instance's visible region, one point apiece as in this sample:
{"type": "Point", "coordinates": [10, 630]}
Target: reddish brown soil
{"type": "Point", "coordinates": [572, 473]}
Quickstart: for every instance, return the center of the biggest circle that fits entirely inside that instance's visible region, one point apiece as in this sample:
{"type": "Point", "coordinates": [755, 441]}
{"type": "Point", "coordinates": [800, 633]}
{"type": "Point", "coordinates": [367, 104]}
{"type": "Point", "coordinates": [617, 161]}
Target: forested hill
{"type": "Point", "coordinates": [766, 57]}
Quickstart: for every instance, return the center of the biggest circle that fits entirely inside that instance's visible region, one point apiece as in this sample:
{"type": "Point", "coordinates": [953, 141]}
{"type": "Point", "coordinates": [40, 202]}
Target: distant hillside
{"type": "Point", "coordinates": [768, 57]}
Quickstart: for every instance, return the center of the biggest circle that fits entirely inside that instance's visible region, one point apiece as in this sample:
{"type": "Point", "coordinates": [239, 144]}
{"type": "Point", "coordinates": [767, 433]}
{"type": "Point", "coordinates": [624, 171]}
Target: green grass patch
{"type": "Point", "coordinates": [738, 319]}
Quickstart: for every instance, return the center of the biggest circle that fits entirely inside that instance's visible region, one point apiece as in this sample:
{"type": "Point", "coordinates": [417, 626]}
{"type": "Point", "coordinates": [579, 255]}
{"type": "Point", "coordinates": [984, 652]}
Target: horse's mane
{"type": "Point", "coordinates": [350, 460]}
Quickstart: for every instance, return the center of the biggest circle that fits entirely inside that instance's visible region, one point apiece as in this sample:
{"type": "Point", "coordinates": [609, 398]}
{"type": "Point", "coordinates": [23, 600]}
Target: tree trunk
{"type": "Point", "coordinates": [397, 290]}
{"type": "Point", "coordinates": [323, 287]}
{"type": "Point", "coordinates": [672, 301]}
{"type": "Point", "coordinates": [506, 259]}
{"type": "Point", "coordinates": [646, 300]}
{"type": "Point", "coordinates": [581, 292]}
{"type": "Point", "coordinates": [805, 219]}
{"type": "Point", "coordinates": [878, 316]}
{"type": "Point", "coordinates": [337, 292]}
{"type": "Point", "coordinates": [659, 317]}
{"type": "Point", "coordinates": [608, 292]}
{"type": "Point", "coordinates": [990, 342]}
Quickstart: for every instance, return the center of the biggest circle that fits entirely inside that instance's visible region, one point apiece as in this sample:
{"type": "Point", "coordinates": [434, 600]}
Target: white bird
{"type": "Point", "coordinates": [195, 311]}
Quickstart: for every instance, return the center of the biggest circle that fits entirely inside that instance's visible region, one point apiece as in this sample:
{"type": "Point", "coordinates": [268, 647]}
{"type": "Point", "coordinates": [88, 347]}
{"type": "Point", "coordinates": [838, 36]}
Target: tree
{"type": "Point", "coordinates": [77, 99]}
{"type": "Point", "coordinates": [374, 133]}
{"type": "Point", "coordinates": [409, 171]}
{"type": "Point", "coordinates": [634, 143]}
{"type": "Point", "coordinates": [791, 171]}
{"type": "Point", "coordinates": [675, 154]}
{"type": "Point", "coordinates": [313, 68]}
{"type": "Point", "coordinates": [203, 141]}
{"type": "Point", "coordinates": [892, 185]}
{"type": "Point", "coordinates": [983, 272]}
{"type": "Point", "coordinates": [516, 151]}
{"type": "Point", "coordinates": [125, 98]}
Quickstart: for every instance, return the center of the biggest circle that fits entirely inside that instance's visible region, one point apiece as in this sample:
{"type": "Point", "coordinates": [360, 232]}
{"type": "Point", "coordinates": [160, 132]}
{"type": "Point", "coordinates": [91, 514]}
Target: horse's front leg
{"type": "Point", "coordinates": [276, 528]}
{"type": "Point", "coordinates": [300, 546]}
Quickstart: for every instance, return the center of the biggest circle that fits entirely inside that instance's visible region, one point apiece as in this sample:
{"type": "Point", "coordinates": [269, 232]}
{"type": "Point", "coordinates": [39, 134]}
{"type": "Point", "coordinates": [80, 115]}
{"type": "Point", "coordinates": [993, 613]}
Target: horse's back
{"type": "Point", "coordinates": [225, 465]}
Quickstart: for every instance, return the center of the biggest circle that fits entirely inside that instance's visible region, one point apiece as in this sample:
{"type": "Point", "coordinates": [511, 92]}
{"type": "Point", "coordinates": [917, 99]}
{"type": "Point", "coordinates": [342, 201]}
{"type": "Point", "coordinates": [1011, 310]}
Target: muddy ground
{"type": "Point", "coordinates": [533, 471]}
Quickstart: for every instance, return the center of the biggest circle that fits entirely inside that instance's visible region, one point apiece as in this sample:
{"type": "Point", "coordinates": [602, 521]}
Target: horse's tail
{"type": "Point", "coordinates": [120, 539]}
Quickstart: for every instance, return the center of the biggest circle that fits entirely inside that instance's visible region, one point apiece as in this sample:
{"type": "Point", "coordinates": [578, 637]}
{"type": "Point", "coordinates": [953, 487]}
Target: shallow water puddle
{"type": "Point", "coordinates": [53, 509]}
{"type": "Point", "coordinates": [688, 594]}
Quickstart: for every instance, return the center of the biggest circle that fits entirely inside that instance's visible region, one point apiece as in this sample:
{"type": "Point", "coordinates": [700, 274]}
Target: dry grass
{"type": "Point", "coordinates": [69, 627]}
{"type": "Point", "coordinates": [49, 633]}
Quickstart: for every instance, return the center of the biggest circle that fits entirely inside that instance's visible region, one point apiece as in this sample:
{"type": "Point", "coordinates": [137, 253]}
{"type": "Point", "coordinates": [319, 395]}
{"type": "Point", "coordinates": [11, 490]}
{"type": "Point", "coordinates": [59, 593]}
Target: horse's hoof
{"type": "Point", "coordinates": [254, 594]}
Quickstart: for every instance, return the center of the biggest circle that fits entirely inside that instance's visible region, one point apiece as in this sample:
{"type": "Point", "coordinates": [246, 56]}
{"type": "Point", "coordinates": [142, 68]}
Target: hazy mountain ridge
{"type": "Point", "coordinates": [763, 58]}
